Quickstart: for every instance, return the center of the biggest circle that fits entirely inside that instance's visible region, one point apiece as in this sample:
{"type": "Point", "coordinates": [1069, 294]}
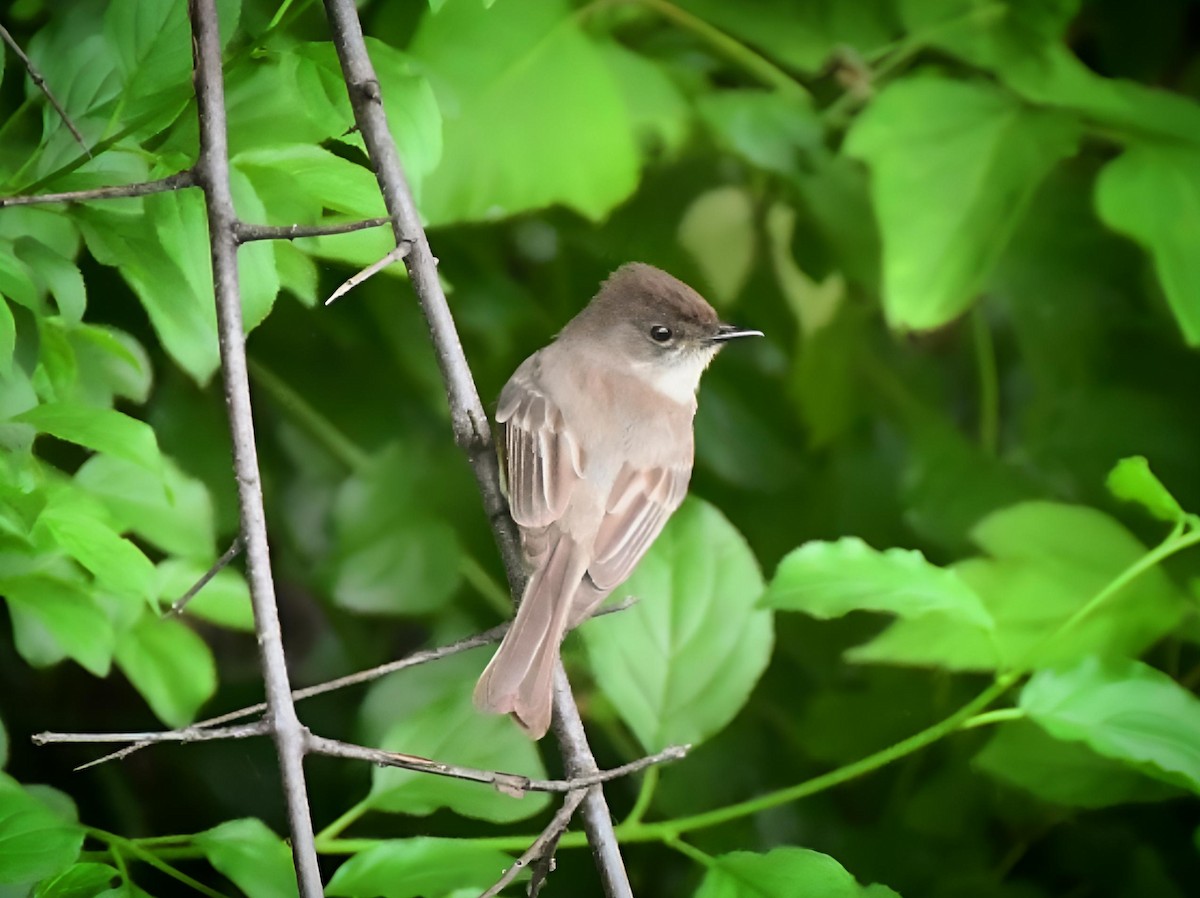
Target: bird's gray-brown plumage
{"type": "Point", "coordinates": [598, 454]}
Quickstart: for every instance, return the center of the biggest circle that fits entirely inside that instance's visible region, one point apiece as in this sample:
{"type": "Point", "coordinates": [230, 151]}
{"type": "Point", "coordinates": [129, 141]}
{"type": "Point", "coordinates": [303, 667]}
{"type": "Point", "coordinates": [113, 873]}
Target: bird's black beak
{"type": "Point", "coordinates": [727, 332]}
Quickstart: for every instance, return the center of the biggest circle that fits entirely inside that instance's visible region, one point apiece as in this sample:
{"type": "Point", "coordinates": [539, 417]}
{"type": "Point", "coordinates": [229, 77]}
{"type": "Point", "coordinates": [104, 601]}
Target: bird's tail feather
{"type": "Point", "coordinates": [519, 678]}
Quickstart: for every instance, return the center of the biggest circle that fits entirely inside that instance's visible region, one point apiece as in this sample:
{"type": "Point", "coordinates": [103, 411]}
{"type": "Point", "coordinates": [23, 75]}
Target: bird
{"type": "Point", "coordinates": [597, 447]}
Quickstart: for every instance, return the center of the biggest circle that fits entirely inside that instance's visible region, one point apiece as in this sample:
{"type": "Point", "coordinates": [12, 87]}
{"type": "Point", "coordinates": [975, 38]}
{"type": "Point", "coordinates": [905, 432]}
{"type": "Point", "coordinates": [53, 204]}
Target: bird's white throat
{"type": "Point", "coordinates": [680, 379]}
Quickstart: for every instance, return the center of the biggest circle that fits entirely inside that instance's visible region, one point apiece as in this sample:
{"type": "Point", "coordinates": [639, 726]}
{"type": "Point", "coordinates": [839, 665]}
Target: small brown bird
{"type": "Point", "coordinates": [598, 454]}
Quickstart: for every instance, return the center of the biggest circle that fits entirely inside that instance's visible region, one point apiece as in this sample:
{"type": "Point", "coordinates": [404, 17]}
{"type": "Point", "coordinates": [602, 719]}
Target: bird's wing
{"type": "Point", "coordinates": [543, 459]}
{"type": "Point", "coordinates": [640, 502]}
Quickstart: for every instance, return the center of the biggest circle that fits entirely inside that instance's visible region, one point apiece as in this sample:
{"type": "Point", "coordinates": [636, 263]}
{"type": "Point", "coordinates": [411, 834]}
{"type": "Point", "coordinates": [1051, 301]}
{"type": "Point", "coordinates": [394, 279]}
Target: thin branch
{"type": "Point", "coordinates": [37, 79]}
{"type": "Point", "coordinates": [194, 733]}
{"type": "Point", "coordinates": [472, 429]}
{"type": "Point", "coordinates": [219, 565]}
{"type": "Point", "coordinates": [248, 232]}
{"type": "Point", "coordinates": [141, 188]}
{"type": "Point", "coordinates": [487, 637]}
{"type": "Point", "coordinates": [212, 170]}
{"type": "Point", "coordinates": [541, 852]}
{"type": "Point", "coordinates": [370, 271]}
{"type": "Point", "coordinates": [513, 784]}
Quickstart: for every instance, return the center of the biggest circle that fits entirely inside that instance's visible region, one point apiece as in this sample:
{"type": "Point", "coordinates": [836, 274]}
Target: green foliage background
{"type": "Point", "coordinates": [927, 642]}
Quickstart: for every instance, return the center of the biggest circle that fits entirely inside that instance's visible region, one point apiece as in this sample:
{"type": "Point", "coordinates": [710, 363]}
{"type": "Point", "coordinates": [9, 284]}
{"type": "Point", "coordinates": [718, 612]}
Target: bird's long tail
{"type": "Point", "coordinates": [519, 679]}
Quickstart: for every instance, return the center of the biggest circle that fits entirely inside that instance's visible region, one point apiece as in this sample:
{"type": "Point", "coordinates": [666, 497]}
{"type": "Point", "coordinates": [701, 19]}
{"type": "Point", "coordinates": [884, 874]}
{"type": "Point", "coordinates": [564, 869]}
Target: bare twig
{"type": "Point", "coordinates": [487, 637]}
{"type": "Point", "coordinates": [194, 733]}
{"type": "Point", "coordinates": [36, 77]}
{"type": "Point", "coordinates": [514, 784]}
{"type": "Point", "coordinates": [248, 232]}
{"type": "Point", "coordinates": [212, 171]}
{"type": "Point", "coordinates": [541, 852]}
{"type": "Point", "coordinates": [374, 268]}
{"type": "Point", "coordinates": [141, 188]}
{"type": "Point", "coordinates": [472, 430]}
{"type": "Point", "coordinates": [231, 553]}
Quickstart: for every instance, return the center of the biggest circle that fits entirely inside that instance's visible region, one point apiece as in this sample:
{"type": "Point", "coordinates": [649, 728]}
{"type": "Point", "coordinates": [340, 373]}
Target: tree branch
{"type": "Point", "coordinates": [541, 852]}
{"type": "Point", "coordinates": [212, 173]}
{"type": "Point", "coordinates": [141, 188]}
{"type": "Point", "coordinates": [248, 232]}
{"type": "Point", "coordinates": [36, 77]}
{"type": "Point", "coordinates": [472, 430]}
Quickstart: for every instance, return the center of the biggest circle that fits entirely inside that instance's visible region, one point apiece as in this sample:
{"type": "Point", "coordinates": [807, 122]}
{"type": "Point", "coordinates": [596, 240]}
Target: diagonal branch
{"type": "Point", "coordinates": [248, 232]}
{"type": "Point", "coordinates": [36, 77]}
{"type": "Point", "coordinates": [212, 173]}
{"type": "Point", "coordinates": [541, 852]}
{"type": "Point", "coordinates": [472, 430]}
{"type": "Point", "coordinates": [141, 188]}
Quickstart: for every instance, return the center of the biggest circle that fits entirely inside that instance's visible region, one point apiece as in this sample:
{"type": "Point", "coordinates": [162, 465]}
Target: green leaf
{"type": "Point", "coordinates": [35, 840]}
{"type": "Point", "coordinates": [832, 579]}
{"type": "Point", "coordinates": [1133, 481]}
{"type": "Point", "coordinates": [3, 745]}
{"type": "Point", "coordinates": [255, 859]}
{"type": "Point", "coordinates": [769, 129]}
{"type": "Point", "coordinates": [110, 363]}
{"type": "Point", "coordinates": [73, 523]}
{"type": "Point", "coordinates": [8, 337]}
{"type": "Point", "coordinates": [418, 868]}
{"type": "Point", "coordinates": [1024, 755]}
{"type": "Point", "coordinates": [1044, 562]}
{"type": "Point", "coordinates": [982, 155]}
{"type": "Point", "coordinates": [224, 600]}
{"type": "Point", "coordinates": [167, 508]}
{"type": "Point", "coordinates": [657, 109]}
{"type": "Point", "coordinates": [428, 712]}
{"type": "Point", "coordinates": [100, 429]}
{"type": "Point", "coordinates": [84, 880]}
{"type": "Point", "coordinates": [523, 79]}
{"type": "Point", "coordinates": [1152, 193]}
{"type": "Point", "coordinates": [783, 873]}
{"type": "Point", "coordinates": [53, 619]}
{"type": "Point", "coordinates": [59, 274]}
{"type": "Point", "coordinates": [170, 666]}
{"type": "Point", "coordinates": [721, 217]}
{"type": "Point", "coordinates": [1122, 709]}
{"type": "Point", "coordinates": [681, 663]}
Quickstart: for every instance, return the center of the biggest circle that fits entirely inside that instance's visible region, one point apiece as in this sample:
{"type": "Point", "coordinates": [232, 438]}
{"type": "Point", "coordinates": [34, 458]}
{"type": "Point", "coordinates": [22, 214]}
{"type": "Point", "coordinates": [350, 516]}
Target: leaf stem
{"type": "Point", "coordinates": [118, 843]}
{"type": "Point", "coordinates": [989, 393]}
{"type": "Point", "coordinates": [644, 797]}
{"type": "Point", "coordinates": [493, 593]}
{"type": "Point", "coordinates": [352, 814]}
{"type": "Point", "coordinates": [317, 425]}
{"type": "Point", "coordinates": [999, 715]}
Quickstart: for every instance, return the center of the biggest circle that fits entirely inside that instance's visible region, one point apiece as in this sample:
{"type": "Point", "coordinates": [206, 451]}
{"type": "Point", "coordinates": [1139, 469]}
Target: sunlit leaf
{"type": "Point", "coordinates": [170, 666]}
{"type": "Point", "coordinates": [418, 868]}
{"type": "Point", "coordinates": [252, 857]}
{"type": "Point", "coordinates": [783, 873]}
{"type": "Point", "coordinates": [1133, 481]}
{"type": "Point", "coordinates": [35, 840]}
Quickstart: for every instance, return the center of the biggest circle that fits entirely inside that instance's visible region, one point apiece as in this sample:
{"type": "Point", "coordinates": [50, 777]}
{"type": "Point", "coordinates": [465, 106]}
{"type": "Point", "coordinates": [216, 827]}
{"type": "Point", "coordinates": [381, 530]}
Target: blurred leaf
{"type": "Point", "coordinates": [3, 745]}
{"type": "Point", "coordinates": [111, 363]}
{"type": "Point", "coordinates": [769, 129]}
{"type": "Point", "coordinates": [718, 230]}
{"type": "Point", "coordinates": [1024, 755]}
{"type": "Point", "coordinates": [1044, 562]}
{"type": "Point", "coordinates": [418, 868]}
{"type": "Point", "coordinates": [59, 274]}
{"type": "Point", "coordinates": [170, 666]}
{"type": "Point", "coordinates": [1122, 709]}
{"type": "Point", "coordinates": [681, 663]}
{"type": "Point", "coordinates": [1152, 193]}
{"type": "Point", "coordinates": [53, 619]}
{"type": "Point", "coordinates": [783, 873]}
{"type": "Point", "coordinates": [255, 859]}
{"type": "Point", "coordinates": [1133, 481]}
{"type": "Point", "coordinates": [35, 841]}
{"type": "Point", "coordinates": [85, 880]}
{"type": "Point", "coordinates": [953, 166]}
{"type": "Point", "coordinates": [428, 712]}
{"type": "Point", "coordinates": [73, 523]}
{"type": "Point", "coordinates": [522, 79]}
{"type": "Point", "coordinates": [831, 579]}
{"type": "Point", "coordinates": [657, 109]}
{"type": "Point", "coordinates": [8, 336]}
{"type": "Point", "coordinates": [224, 600]}
{"type": "Point", "coordinates": [168, 508]}
{"type": "Point", "coordinates": [100, 429]}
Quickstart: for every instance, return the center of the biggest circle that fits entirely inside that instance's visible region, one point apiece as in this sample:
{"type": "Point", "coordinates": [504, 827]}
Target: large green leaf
{"type": "Point", "coordinates": [35, 839]}
{"type": "Point", "coordinates": [1044, 562]}
{"type": "Point", "coordinates": [783, 873]}
{"type": "Point", "coordinates": [53, 619]}
{"type": "Point", "coordinates": [1152, 193]}
{"type": "Point", "coordinates": [680, 664]}
{"type": "Point", "coordinates": [85, 880]}
{"type": "Point", "coordinates": [1122, 709]}
{"type": "Point", "coordinates": [953, 166]}
{"type": "Point", "coordinates": [167, 508]}
{"type": "Point", "coordinates": [831, 579]}
{"type": "Point", "coordinates": [252, 857]}
{"type": "Point", "coordinates": [418, 868]}
{"type": "Point", "coordinates": [100, 429]}
{"type": "Point", "coordinates": [523, 80]}
{"type": "Point", "coordinates": [428, 712]}
{"type": "Point", "coordinates": [1065, 773]}
{"type": "Point", "coordinates": [169, 665]}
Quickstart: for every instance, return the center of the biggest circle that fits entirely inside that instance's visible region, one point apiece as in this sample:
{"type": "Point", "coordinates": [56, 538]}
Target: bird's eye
{"type": "Point", "coordinates": [660, 334]}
